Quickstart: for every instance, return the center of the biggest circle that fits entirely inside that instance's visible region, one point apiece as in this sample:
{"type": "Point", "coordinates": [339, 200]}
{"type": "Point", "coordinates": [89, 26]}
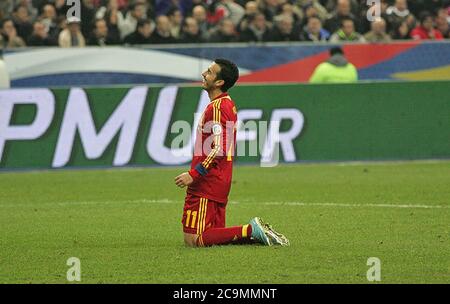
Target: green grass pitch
{"type": "Point", "coordinates": [124, 225]}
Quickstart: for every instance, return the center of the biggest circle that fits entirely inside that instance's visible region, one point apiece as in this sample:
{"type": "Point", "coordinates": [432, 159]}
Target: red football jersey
{"type": "Point", "coordinates": [212, 164]}
{"type": "Point", "coordinates": [420, 33]}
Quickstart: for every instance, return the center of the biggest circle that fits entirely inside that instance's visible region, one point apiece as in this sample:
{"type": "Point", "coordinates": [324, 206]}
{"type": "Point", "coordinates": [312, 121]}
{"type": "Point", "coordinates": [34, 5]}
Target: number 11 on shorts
{"type": "Point", "coordinates": [188, 217]}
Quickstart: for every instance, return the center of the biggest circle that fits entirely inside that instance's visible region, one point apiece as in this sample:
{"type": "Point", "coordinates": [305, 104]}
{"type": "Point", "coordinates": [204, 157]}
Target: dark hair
{"type": "Point", "coordinates": [133, 6]}
{"type": "Point", "coordinates": [314, 17]}
{"type": "Point", "coordinates": [336, 50]}
{"type": "Point", "coordinates": [173, 10]}
{"type": "Point", "coordinates": [252, 17]}
{"type": "Point", "coordinates": [424, 15]}
{"type": "Point", "coordinates": [346, 18]}
{"type": "Point", "coordinates": [142, 23]}
{"type": "Point", "coordinates": [229, 73]}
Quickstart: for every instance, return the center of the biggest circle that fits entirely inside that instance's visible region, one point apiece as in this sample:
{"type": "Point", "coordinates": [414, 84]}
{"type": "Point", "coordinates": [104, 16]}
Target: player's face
{"type": "Point", "coordinates": [209, 76]}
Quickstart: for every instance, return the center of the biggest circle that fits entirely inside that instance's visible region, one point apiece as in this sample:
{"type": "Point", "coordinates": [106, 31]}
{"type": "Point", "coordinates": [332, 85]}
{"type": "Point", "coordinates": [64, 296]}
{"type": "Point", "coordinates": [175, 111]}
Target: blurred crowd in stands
{"type": "Point", "coordinates": [134, 22]}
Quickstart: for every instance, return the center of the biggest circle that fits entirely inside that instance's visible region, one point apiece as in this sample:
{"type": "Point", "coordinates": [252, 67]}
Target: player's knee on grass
{"type": "Point", "coordinates": [190, 240]}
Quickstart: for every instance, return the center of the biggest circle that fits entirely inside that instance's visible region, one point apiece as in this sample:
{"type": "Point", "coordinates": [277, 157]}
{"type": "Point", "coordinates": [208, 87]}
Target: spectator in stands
{"type": "Point", "coordinates": [401, 32]}
{"type": "Point", "coordinates": [257, 30]}
{"type": "Point", "coordinates": [101, 35]}
{"type": "Point", "coordinates": [199, 14]}
{"type": "Point", "coordinates": [337, 69]}
{"type": "Point", "coordinates": [143, 33]}
{"type": "Point", "coordinates": [10, 37]}
{"type": "Point", "coordinates": [28, 4]}
{"type": "Point", "coordinates": [269, 8]}
{"type": "Point", "coordinates": [425, 30]}
{"type": "Point", "coordinates": [162, 34]}
{"type": "Point", "coordinates": [71, 36]}
{"type": "Point", "coordinates": [128, 24]}
{"type": "Point", "coordinates": [190, 31]}
{"type": "Point", "coordinates": [40, 36]}
{"type": "Point", "coordinates": [343, 11]}
{"type": "Point", "coordinates": [347, 33]}
{"type": "Point", "coordinates": [229, 9]}
{"type": "Point", "coordinates": [225, 32]}
{"type": "Point", "coordinates": [312, 7]}
{"type": "Point", "coordinates": [88, 11]}
{"type": "Point", "coordinates": [283, 29]}
{"type": "Point", "coordinates": [287, 9]}
{"type": "Point", "coordinates": [110, 14]}
{"type": "Point", "coordinates": [251, 8]}
{"type": "Point", "coordinates": [49, 20]}
{"type": "Point", "coordinates": [331, 5]}
{"type": "Point", "coordinates": [313, 31]}
{"type": "Point", "coordinates": [398, 13]}
{"type": "Point", "coordinates": [399, 10]}
{"type": "Point", "coordinates": [176, 20]}
{"type": "Point", "coordinates": [418, 6]}
{"type": "Point", "coordinates": [22, 22]}
{"type": "Point", "coordinates": [6, 7]}
{"type": "Point", "coordinates": [61, 7]}
{"type": "Point", "coordinates": [378, 32]}
{"type": "Point", "coordinates": [442, 22]}
{"type": "Point", "coordinates": [149, 7]}
{"type": "Point", "coordinates": [310, 11]}
{"type": "Point", "coordinates": [121, 17]}
{"type": "Point", "coordinates": [110, 8]}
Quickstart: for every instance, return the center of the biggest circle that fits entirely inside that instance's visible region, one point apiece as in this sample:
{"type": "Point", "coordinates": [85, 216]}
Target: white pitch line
{"type": "Point", "coordinates": [145, 201]}
{"type": "Point", "coordinates": [273, 203]}
{"type": "Point", "coordinates": [356, 205]}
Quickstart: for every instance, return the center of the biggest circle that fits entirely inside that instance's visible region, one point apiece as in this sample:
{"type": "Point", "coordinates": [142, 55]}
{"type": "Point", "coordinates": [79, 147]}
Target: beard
{"type": "Point", "coordinates": [206, 86]}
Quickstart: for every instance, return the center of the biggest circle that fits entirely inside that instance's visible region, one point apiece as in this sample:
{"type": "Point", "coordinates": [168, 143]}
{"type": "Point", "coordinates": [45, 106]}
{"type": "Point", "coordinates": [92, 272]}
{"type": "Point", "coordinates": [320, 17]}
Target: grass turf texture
{"type": "Point", "coordinates": [124, 225]}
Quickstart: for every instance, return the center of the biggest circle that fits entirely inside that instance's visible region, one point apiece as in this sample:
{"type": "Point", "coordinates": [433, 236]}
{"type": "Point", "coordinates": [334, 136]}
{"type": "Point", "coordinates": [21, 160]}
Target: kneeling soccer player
{"type": "Point", "coordinates": [209, 179]}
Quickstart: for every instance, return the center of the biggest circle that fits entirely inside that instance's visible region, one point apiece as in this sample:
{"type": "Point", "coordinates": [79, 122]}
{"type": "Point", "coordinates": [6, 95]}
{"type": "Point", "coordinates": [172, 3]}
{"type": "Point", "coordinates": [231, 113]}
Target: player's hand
{"type": "Point", "coordinates": [183, 180]}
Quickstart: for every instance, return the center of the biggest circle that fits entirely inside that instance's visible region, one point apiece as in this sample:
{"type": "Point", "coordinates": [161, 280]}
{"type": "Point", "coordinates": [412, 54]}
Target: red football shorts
{"type": "Point", "coordinates": [200, 214]}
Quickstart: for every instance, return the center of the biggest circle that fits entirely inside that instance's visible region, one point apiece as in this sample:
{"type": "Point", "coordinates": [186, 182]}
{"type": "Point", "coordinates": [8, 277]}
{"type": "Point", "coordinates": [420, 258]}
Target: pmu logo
{"type": "Point", "coordinates": [264, 139]}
